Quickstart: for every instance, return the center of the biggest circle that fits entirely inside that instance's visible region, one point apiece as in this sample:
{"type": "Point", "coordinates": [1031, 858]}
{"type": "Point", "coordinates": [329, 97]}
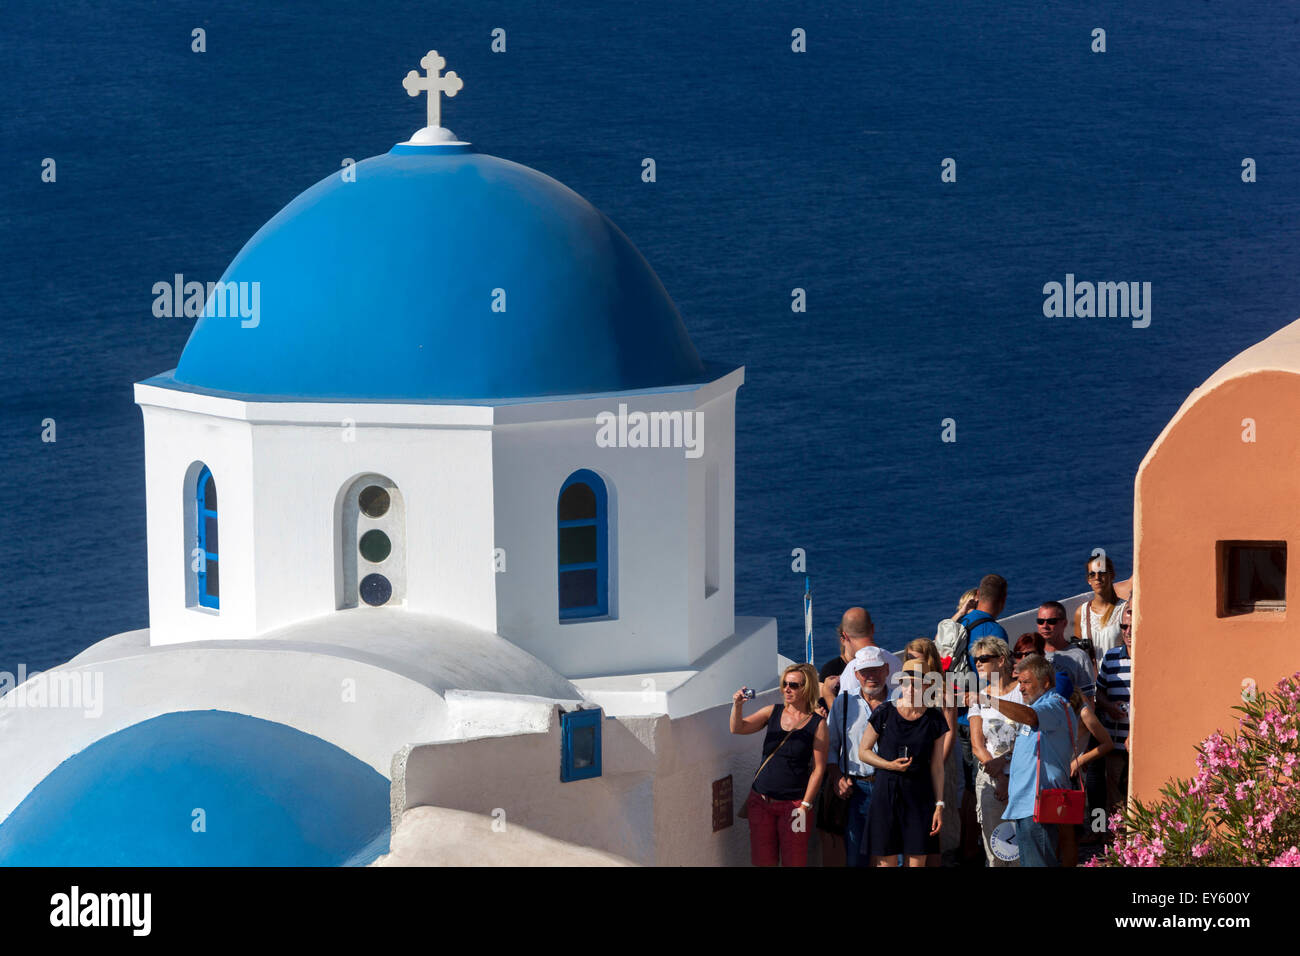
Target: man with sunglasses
{"type": "Point", "coordinates": [1066, 658]}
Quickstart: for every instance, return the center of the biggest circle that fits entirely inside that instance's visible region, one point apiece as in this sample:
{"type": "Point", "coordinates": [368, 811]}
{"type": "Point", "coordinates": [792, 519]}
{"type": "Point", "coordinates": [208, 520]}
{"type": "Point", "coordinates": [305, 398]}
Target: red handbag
{"type": "Point", "coordinates": [1057, 806]}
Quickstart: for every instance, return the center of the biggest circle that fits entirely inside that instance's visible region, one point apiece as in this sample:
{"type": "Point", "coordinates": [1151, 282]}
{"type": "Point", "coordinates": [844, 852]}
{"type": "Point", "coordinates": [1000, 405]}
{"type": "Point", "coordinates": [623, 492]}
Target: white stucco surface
{"type": "Point", "coordinates": [367, 680]}
{"type": "Point", "coordinates": [748, 658]}
{"type": "Point", "coordinates": [652, 803]}
{"type": "Point", "coordinates": [436, 836]}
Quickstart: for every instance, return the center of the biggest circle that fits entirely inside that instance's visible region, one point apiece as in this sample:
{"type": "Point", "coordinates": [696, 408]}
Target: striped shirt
{"type": "Point", "coordinates": [1116, 679]}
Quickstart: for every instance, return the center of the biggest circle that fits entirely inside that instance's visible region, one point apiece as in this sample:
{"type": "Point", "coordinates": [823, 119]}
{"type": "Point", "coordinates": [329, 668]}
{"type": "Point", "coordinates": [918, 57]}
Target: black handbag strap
{"type": "Point", "coordinates": [844, 737]}
{"type": "Point", "coordinates": [789, 734]}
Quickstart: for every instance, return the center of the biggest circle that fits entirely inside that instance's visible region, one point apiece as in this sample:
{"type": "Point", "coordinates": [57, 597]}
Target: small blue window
{"type": "Point", "coordinates": [583, 541]}
{"type": "Point", "coordinates": [209, 570]}
{"type": "Point", "coordinates": [580, 736]}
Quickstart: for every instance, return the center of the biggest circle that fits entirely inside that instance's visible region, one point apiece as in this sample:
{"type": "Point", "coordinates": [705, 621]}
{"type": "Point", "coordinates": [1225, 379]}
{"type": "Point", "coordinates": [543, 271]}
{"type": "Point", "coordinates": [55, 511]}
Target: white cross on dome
{"type": "Point", "coordinates": [433, 84]}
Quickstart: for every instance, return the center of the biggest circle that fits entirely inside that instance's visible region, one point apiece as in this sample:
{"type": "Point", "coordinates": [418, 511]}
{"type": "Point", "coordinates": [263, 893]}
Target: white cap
{"type": "Point", "coordinates": [869, 656]}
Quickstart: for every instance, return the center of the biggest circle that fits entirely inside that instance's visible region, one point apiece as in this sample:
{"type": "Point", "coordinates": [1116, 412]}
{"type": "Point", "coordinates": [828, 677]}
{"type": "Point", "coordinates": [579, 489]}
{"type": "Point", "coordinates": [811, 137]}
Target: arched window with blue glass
{"type": "Point", "coordinates": [583, 514]}
{"type": "Point", "coordinates": [206, 549]}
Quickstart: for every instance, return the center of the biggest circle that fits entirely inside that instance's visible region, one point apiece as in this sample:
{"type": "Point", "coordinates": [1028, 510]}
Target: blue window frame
{"type": "Point", "coordinates": [209, 573]}
{"type": "Point", "coordinates": [580, 745]}
{"type": "Point", "coordinates": [583, 543]}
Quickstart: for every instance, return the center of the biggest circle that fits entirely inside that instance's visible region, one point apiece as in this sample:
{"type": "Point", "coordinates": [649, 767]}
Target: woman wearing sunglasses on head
{"type": "Point", "coordinates": [993, 737]}
{"type": "Point", "coordinates": [924, 650]}
{"type": "Point", "coordinates": [779, 806]}
{"type": "Point", "coordinates": [906, 814]}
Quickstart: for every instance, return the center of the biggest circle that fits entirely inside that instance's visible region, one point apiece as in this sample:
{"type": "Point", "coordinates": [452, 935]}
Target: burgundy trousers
{"type": "Point", "coordinates": [773, 838]}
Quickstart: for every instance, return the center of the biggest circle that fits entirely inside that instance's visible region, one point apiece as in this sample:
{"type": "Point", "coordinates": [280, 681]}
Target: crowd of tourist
{"type": "Point", "coordinates": [968, 749]}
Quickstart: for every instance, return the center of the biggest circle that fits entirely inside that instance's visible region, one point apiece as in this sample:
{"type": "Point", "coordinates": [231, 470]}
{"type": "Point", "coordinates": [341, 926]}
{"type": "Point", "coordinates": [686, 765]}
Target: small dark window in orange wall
{"type": "Point", "coordinates": [1252, 577]}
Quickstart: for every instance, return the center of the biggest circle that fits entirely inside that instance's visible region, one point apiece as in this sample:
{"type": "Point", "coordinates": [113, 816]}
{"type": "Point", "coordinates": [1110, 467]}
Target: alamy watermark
{"type": "Point", "coordinates": [180, 299]}
{"type": "Point", "coordinates": [1085, 300]}
{"type": "Point", "coordinates": [65, 690]}
{"type": "Point", "coordinates": [128, 910]}
{"type": "Point", "coordinates": [675, 429]}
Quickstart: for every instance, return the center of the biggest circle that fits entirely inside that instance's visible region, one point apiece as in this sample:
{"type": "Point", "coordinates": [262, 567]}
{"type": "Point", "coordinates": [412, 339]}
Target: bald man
{"type": "Point", "coordinates": [858, 632]}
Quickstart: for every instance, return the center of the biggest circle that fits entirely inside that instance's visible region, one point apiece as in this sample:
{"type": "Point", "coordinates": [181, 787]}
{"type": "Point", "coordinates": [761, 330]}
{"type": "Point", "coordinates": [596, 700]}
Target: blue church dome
{"type": "Point", "coordinates": [440, 273]}
{"type": "Point", "coordinates": [267, 795]}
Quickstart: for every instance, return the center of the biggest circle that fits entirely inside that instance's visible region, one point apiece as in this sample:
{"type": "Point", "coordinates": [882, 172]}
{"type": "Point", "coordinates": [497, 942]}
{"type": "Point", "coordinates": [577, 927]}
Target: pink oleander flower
{"type": "Point", "coordinates": [1200, 850]}
{"type": "Point", "coordinates": [1289, 857]}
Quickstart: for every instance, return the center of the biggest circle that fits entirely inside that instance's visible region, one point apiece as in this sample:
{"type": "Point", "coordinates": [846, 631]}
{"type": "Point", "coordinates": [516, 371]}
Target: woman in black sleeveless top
{"type": "Point", "coordinates": [788, 777]}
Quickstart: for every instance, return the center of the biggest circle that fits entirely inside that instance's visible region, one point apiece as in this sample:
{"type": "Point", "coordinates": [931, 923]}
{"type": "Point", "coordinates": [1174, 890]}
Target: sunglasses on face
{"type": "Point", "coordinates": [1049, 620]}
{"type": "Point", "coordinates": [1126, 627]}
{"type": "Point", "coordinates": [986, 658]}
{"type": "Point", "coordinates": [792, 685]}
{"type": "Point", "coordinates": [1099, 574]}
{"type": "Point", "coordinates": [1020, 654]}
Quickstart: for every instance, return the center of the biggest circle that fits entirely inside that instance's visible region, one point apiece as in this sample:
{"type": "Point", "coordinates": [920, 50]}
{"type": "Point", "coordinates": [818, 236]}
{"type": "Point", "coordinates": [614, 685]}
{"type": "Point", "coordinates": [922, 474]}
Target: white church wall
{"type": "Point", "coordinates": [479, 489]}
{"type": "Point", "coordinates": [281, 470]}
{"type": "Point", "coordinates": [712, 528]}
{"type": "Point", "coordinates": [660, 618]}
{"type": "Point", "coordinates": [652, 803]}
{"type": "Point", "coordinates": [648, 544]}
{"type": "Point", "coordinates": [174, 441]}
{"type": "Point", "coordinates": [304, 473]}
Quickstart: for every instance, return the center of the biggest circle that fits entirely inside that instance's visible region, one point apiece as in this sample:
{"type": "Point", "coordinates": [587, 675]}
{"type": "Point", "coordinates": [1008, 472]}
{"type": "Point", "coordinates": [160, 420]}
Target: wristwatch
{"type": "Point", "coordinates": [937, 804]}
{"type": "Point", "coordinates": [805, 804]}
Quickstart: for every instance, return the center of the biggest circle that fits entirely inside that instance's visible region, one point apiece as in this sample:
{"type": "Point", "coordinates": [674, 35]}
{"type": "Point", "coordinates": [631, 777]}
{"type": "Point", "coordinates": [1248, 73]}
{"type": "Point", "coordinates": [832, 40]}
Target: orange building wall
{"type": "Point", "coordinates": [1199, 485]}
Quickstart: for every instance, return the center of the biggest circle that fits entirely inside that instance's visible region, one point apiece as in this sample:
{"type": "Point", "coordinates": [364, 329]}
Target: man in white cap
{"type": "Point", "coordinates": [858, 633]}
{"type": "Point", "coordinates": [849, 776]}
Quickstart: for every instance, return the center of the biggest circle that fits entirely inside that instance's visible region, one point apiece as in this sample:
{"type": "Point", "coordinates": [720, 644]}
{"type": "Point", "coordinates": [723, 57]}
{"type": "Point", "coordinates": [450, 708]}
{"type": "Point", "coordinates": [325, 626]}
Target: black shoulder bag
{"type": "Point", "coordinates": [832, 810]}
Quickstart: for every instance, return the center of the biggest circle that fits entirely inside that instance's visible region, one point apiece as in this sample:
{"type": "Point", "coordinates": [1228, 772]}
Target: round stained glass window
{"type": "Point", "coordinates": [376, 590]}
{"type": "Point", "coordinates": [375, 546]}
{"type": "Point", "coordinates": [373, 501]}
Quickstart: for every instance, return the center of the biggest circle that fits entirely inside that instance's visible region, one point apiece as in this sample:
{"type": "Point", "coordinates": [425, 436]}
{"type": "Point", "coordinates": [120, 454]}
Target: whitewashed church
{"type": "Point", "coordinates": [386, 510]}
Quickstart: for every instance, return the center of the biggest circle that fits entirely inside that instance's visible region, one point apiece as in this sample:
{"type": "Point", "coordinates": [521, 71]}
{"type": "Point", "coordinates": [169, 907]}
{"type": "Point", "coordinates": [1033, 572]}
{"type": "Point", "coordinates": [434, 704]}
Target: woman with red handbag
{"type": "Point", "coordinates": [1040, 797]}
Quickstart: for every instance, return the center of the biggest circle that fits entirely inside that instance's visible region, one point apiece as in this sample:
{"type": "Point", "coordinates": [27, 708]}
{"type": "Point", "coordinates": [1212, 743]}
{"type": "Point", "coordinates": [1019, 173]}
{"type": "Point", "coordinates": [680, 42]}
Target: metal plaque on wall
{"type": "Point", "coordinates": [723, 811]}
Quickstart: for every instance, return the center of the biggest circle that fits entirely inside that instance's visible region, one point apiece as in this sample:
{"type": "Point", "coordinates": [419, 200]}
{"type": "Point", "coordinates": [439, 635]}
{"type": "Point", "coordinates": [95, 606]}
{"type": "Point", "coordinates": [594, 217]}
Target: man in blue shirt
{"type": "Point", "coordinates": [851, 777]}
{"type": "Point", "coordinates": [1046, 734]}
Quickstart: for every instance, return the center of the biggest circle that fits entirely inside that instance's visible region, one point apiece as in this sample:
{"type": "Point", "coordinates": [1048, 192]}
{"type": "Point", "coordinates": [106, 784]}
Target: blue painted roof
{"type": "Point", "coordinates": [270, 795]}
{"type": "Point", "coordinates": [382, 289]}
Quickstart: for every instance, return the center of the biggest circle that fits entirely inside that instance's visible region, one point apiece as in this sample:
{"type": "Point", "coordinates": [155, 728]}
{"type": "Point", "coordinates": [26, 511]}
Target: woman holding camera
{"type": "Point", "coordinates": [779, 806]}
{"type": "Point", "coordinates": [905, 816]}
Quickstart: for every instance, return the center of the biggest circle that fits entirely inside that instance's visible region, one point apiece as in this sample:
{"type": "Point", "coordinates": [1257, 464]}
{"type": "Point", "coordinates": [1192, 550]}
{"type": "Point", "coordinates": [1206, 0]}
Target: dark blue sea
{"type": "Point", "coordinates": [775, 170]}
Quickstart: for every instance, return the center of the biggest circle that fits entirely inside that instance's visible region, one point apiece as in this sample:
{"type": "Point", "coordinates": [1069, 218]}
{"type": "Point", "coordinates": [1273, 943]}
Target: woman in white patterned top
{"type": "Point", "coordinates": [992, 738]}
